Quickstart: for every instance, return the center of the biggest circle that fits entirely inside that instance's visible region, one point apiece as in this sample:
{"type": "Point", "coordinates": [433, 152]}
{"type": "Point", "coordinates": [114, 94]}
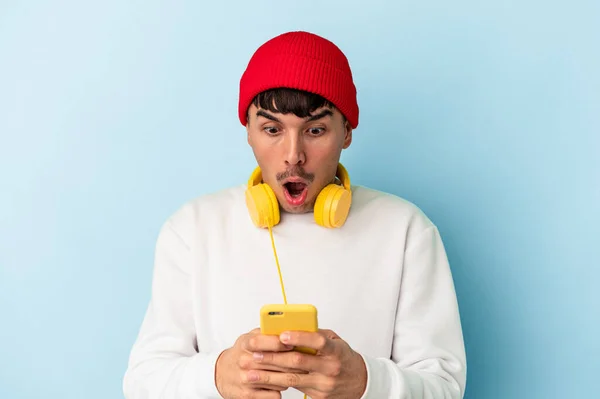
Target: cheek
{"type": "Point", "coordinates": [323, 156]}
{"type": "Point", "coordinates": [266, 158]}
{"type": "Point", "coordinates": [320, 151]}
{"type": "Point", "coordinates": [261, 149]}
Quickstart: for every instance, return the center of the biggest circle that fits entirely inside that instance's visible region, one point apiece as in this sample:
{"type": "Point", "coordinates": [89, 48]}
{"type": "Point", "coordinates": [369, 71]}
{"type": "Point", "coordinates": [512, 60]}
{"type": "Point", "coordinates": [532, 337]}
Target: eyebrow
{"type": "Point", "coordinates": [320, 115]}
{"type": "Point", "coordinates": [260, 112]}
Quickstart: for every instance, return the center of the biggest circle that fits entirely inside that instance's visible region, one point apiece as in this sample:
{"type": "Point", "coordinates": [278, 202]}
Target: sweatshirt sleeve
{"type": "Point", "coordinates": [428, 357]}
{"type": "Point", "coordinates": [165, 362]}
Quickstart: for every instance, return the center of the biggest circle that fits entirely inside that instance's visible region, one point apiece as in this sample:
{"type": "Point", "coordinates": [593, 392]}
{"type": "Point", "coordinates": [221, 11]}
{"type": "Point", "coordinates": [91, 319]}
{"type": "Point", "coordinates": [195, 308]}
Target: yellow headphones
{"type": "Point", "coordinates": [331, 207]}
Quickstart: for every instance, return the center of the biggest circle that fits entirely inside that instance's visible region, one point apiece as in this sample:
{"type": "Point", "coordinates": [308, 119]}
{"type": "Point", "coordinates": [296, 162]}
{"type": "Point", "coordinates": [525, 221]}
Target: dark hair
{"type": "Point", "coordinates": [285, 100]}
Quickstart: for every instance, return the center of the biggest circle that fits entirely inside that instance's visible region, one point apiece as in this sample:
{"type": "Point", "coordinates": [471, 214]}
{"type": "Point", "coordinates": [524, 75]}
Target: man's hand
{"type": "Point", "coordinates": [336, 371]}
{"type": "Point", "coordinates": [236, 367]}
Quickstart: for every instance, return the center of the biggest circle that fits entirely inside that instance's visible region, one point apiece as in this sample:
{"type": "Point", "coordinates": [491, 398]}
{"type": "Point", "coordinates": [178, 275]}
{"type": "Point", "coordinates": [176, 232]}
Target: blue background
{"type": "Point", "coordinates": [484, 114]}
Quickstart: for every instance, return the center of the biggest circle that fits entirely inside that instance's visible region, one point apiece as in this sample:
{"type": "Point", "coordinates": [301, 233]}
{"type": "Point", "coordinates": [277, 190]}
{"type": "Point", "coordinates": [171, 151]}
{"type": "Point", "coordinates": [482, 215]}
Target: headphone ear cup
{"type": "Point", "coordinates": [262, 205]}
{"type": "Point", "coordinates": [332, 206]}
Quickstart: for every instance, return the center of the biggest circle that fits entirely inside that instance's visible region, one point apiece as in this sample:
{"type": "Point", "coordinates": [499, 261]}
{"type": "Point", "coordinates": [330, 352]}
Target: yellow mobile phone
{"type": "Point", "coordinates": [277, 318]}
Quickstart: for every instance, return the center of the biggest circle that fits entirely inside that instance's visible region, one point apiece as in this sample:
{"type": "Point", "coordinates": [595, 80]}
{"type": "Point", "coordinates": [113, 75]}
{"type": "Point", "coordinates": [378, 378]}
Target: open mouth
{"type": "Point", "coordinates": [295, 189]}
{"type": "Point", "coordinates": [295, 192]}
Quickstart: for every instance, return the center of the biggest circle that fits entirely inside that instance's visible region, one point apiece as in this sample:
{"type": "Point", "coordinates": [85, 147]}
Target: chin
{"type": "Point", "coordinates": [297, 210]}
{"type": "Point", "coordinates": [306, 207]}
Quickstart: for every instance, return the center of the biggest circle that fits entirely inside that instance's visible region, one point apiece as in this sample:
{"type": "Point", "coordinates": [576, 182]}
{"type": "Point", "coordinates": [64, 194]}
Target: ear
{"type": "Point", "coordinates": [249, 136]}
{"type": "Point", "coordinates": [348, 135]}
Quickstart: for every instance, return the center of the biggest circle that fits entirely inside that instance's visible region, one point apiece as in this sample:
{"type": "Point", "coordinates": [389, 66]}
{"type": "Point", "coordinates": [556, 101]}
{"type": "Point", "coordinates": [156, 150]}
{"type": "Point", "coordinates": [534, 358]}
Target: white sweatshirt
{"type": "Point", "coordinates": [382, 282]}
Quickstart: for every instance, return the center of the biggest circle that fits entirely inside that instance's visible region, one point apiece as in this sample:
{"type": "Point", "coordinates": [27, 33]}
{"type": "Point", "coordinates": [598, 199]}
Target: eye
{"type": "Point", "coordinates": [315, 131]}
{"type": "Point", "coordinates": [270, 130]}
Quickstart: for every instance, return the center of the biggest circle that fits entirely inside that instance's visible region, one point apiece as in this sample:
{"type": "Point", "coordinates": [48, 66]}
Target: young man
{"type": "Point", "coordinates": [372, 264]}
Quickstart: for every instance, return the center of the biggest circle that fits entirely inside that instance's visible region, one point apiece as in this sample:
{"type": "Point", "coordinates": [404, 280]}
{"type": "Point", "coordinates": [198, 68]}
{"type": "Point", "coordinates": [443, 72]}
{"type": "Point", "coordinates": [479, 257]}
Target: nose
{"type": "Point", "coordinates": [295, 153]}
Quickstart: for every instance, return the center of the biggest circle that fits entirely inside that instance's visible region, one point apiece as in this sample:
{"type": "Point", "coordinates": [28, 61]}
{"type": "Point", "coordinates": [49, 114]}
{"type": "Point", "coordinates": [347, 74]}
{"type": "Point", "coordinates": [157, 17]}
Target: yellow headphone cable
{"type": "Point", "coordinates": [278, 268]}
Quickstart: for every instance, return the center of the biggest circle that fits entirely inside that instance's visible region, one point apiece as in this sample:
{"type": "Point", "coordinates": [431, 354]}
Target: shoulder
{"type": "Point", "coordinates": [388, 211]}
{"type": "Point", "coordinates": [206, 209]}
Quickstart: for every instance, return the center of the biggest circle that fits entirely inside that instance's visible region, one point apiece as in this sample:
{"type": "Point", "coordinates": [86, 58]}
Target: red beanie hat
{"type": "Point", "coordinates": [304, 61]}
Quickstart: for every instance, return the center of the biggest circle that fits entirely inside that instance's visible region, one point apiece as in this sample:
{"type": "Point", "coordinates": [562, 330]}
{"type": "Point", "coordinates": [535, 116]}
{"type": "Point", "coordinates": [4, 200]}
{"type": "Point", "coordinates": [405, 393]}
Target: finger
{"type": "Point", "coordinates": [250, 381]}
{"type": "Point", "coordinates": [248, 362]}
{"type": "Point", "coordinates": [264, 343]}
{"type": "Point", "coordinates": [287, 380]}
{"type": "Point", "coordinates": [315, 340]}
{"type": "Point", "coordinates": [293, 361]}
{"type": "Point", "coordinates": [267, 387]}
{"type": "Point", "coordinates": [261, 393]}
